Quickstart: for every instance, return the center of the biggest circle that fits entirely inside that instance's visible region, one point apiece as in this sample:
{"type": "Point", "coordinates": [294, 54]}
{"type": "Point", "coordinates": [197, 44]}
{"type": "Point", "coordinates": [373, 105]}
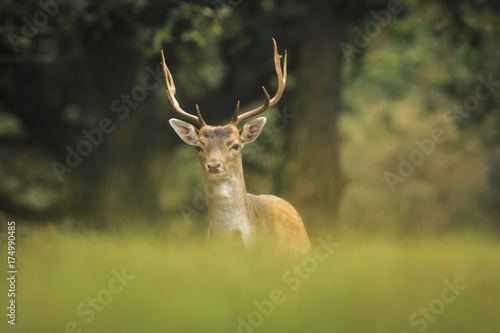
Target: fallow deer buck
{"type": "Point", "coordinates": [232, 212]}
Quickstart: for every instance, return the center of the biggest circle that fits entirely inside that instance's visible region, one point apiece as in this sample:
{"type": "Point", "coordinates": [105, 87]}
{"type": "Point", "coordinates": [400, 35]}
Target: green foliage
{"type": "Point", "coordinates": [405, 90]}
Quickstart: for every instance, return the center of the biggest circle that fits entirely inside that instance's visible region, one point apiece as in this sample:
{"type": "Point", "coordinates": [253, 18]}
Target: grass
{"type": "Point", "coordinates": [364, 285]}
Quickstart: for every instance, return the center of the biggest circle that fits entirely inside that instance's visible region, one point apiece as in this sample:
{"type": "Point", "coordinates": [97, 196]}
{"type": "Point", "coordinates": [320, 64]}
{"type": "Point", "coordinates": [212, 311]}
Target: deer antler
{"type": "Point", "coordinates": [169, 82]}
{"type": "Point", "coordinates": [269, 102]}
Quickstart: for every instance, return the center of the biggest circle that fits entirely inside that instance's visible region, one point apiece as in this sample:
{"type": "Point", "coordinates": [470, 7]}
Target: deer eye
{"type": "Point", "coordinates": [198, 148]}
{"type": "Point", "coordinates": [235, 146]}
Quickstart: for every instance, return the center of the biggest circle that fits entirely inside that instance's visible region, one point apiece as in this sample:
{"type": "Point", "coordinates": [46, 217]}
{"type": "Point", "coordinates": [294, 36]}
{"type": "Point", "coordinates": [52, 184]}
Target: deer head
{"type": "Point", "coordinates": [219, 146]}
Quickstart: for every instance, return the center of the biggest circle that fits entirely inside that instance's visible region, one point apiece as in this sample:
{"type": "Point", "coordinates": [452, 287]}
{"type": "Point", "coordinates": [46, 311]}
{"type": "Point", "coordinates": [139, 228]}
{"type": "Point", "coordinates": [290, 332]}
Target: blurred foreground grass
{"type": "Point", "coordinates": [364, 285]}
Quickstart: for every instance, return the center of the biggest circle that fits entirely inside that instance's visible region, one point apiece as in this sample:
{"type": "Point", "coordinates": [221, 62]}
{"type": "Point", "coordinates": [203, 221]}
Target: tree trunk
{"type": "Point", "coordinates": [313, 179]}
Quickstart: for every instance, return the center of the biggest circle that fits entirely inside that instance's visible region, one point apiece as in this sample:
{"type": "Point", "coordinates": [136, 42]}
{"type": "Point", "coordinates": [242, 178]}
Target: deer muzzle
{"type": "Point", "coordinates": [214, 165]}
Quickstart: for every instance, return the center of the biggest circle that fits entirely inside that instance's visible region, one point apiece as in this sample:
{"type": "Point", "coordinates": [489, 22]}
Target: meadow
{"type": "Point", "coordinates": [409, 244]}
{"type": "Point", "coordinates": [151, 281]}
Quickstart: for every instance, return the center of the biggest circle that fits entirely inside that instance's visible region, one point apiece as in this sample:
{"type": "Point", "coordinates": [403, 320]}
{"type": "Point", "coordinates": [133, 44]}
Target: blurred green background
{"type": "Point", "coordinates": [387, 138]}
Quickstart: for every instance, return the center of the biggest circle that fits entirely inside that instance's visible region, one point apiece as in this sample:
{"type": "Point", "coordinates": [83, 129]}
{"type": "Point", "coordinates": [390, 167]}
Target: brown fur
{"type": "Point", "coordinates": [232, 212]}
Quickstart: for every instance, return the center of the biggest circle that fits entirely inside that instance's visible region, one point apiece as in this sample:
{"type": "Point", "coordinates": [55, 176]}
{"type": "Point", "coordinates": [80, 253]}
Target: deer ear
{"type": "Point", "coordinates": [187, 132]}
{"type": "Point", "coordinates": [252, 129]}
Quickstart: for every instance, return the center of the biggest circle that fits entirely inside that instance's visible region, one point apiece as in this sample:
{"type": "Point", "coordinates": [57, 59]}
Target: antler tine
{"type": "Point", "coordinates": [234, 121]}
{"type": "Point", "coordinates": [238, 118]}
{"type": "Point", "coordinates": [269, 102]}
{"type": "Point", "coordinates": [169, 82]}
{"type": "Point", "coordinates": [201, 122]}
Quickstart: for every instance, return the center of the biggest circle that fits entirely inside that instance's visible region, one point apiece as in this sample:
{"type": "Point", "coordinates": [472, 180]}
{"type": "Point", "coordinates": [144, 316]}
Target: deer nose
{"type": "Point", "coordinates": [214, 166]}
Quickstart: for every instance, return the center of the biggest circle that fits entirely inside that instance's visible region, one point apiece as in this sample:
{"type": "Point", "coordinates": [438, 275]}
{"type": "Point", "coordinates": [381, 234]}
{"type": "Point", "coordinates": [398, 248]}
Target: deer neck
{"type": "Point", "coordinates": [227, 204]}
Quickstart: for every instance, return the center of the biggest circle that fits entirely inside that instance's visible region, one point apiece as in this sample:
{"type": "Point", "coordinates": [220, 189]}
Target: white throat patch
{"type": "Point", "coordinates": [227, 211]}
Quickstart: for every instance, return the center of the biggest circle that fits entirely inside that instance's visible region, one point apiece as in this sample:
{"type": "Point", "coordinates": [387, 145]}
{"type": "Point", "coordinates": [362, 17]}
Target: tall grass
{"type": "Point", "coordinates": [187, 285]}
